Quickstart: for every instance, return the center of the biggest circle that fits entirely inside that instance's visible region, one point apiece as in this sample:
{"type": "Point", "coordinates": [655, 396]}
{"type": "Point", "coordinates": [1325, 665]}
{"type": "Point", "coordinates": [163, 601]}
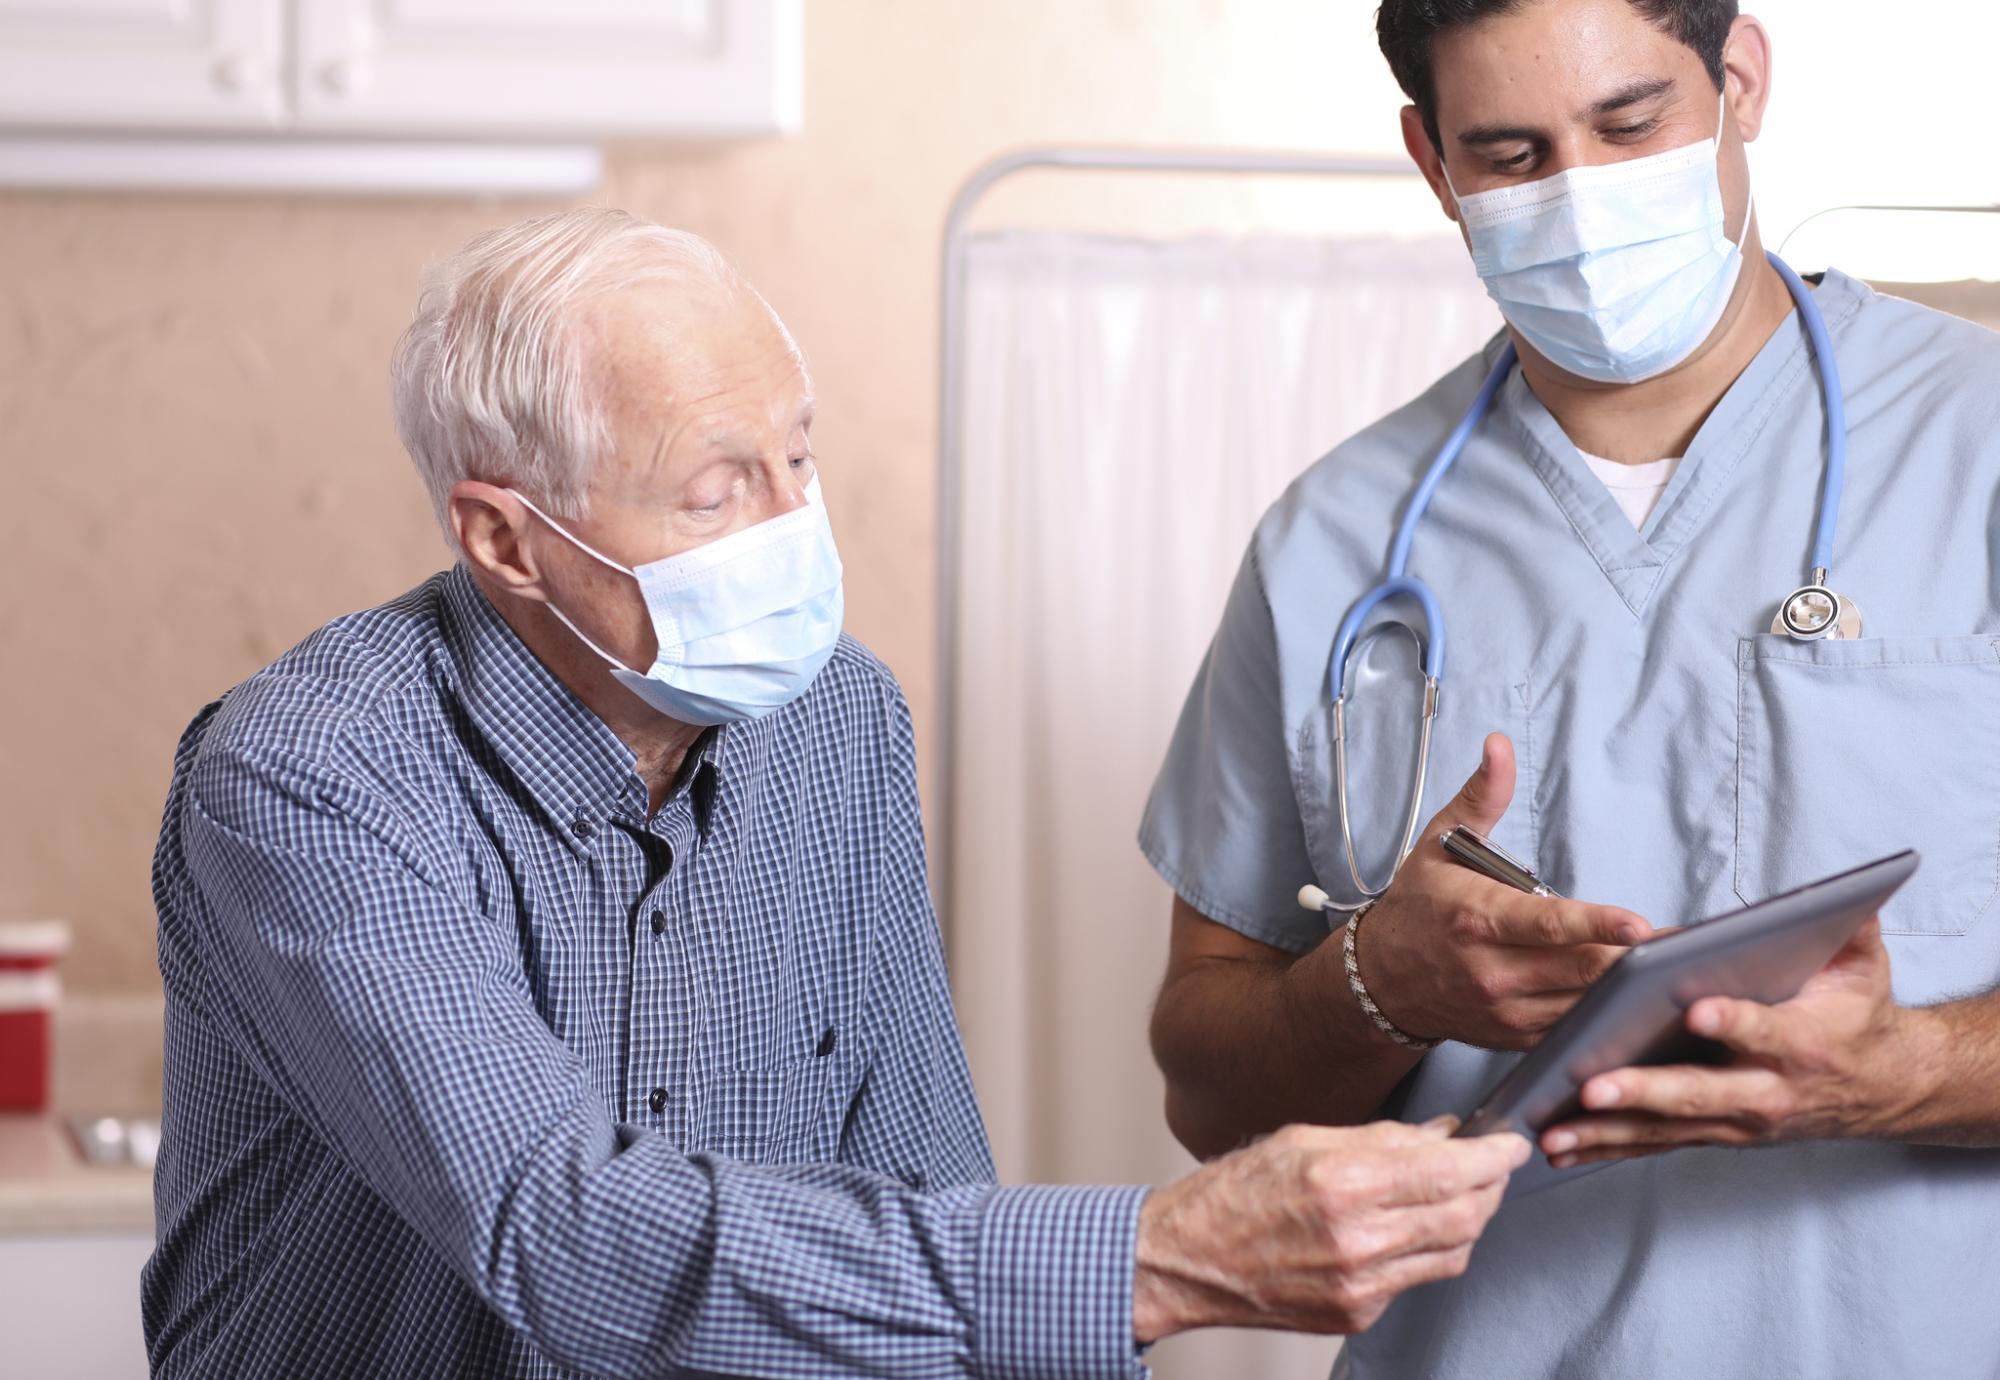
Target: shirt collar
{"type": "Point", "coordinates": [564, 757]}
{"type": "Point", "coordinates": [701, 775]}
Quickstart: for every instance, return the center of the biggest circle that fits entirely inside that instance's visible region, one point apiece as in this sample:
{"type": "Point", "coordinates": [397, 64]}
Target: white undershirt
{"type": "Point", "coordinates": [1636, 487]}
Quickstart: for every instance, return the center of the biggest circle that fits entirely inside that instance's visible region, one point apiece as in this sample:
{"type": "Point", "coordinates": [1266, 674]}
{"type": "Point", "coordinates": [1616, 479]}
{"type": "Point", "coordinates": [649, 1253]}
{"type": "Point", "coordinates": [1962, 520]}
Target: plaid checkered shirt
{"type": "Point", "coordinates": [476, 1067]}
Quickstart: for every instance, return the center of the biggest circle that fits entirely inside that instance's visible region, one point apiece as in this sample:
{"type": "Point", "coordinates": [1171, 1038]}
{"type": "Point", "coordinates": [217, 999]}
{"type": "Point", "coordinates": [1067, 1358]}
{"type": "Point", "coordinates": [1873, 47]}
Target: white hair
{"type": "Point", "coordinates": [490, 381]}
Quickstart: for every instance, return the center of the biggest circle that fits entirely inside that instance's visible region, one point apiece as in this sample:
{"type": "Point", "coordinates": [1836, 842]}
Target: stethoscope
{"type": "Point", "coordinates": [1808, 614]}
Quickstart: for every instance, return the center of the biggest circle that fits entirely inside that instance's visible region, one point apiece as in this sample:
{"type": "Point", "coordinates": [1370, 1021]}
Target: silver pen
{"type": "Point", "coordinates": [1472, 848]}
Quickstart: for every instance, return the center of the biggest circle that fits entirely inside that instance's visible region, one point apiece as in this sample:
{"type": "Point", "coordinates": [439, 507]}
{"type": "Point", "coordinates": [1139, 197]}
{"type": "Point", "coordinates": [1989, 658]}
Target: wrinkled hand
{"type": "Point", "coordinates": [1450, 954]}
{"type": "Point", "coordinates": [1825, 1064]}
{"type": "Point", "coordinates": [1316, 1229]}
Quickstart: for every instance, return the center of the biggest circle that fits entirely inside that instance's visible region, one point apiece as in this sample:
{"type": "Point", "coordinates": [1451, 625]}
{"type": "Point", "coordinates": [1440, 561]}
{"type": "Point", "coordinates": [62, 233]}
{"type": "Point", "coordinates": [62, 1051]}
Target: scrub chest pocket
{"type": "Point", "coordinates": [1846, 751]}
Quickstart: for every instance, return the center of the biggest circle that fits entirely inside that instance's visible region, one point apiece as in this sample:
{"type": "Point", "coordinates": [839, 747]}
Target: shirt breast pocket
{"type": "Point", "coordinates": [1846, 751]}
{"type": "Point", "coordinates": [791, 1112]}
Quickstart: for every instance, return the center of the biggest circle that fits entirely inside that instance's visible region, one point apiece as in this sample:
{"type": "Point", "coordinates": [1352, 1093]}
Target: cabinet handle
{"type": "Point", "coordinates": [343, 76]}
{"type": "Point", "coordinates": [239, 72]}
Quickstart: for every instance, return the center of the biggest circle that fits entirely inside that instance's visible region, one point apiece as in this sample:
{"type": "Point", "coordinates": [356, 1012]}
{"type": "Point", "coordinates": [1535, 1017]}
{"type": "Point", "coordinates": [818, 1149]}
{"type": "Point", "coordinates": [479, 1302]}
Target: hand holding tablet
{"type": "Point", "coordinates": [1635, 1015]}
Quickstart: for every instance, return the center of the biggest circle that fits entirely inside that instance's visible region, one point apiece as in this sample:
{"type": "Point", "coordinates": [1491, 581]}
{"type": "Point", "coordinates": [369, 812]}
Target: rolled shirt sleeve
{"type": "Point", "coordinates": [396, 1019]}
{"type": "Point", "coordinates": [1222, 825]}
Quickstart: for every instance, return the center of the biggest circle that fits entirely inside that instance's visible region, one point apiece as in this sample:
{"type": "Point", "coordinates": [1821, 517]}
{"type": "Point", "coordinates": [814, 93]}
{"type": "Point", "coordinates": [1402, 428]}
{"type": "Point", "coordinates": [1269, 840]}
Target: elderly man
{"type": "Point", "coordinates": [552, 984]}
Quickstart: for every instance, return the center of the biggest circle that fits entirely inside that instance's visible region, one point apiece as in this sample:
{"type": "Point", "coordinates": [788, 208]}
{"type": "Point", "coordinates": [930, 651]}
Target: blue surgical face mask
{"type": "Point", "coordinates": [1616, 272]}
{"type": "Point", "coordinates": [744, 623]}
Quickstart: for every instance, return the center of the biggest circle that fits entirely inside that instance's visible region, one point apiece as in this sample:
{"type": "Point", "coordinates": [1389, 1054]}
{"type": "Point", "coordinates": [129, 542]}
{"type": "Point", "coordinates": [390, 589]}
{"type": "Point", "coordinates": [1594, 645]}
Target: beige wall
{"type": "Point", "coordinates": [194, 429]}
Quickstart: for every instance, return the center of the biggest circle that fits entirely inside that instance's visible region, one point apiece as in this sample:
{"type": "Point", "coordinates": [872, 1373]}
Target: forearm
{"type": "Point", "coordinates": [1943, 1074]}
{"type": "Point", "coordinates": [648, 1262]}
{"type": "Point", "coordinates": [1249, 1045]}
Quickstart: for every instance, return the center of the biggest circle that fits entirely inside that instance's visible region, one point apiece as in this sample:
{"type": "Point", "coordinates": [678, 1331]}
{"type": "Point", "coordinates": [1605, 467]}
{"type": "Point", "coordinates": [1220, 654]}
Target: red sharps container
{"type": "Point", "coordinates": [29, 992]}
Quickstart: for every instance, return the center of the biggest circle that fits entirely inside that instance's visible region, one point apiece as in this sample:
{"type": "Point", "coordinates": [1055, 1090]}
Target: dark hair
{"type": "Point", "coordinates": [1406, 28]}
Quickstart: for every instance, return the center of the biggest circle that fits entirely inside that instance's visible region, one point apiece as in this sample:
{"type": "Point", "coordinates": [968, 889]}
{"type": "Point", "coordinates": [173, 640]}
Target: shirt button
{"type": "Point", "coordinates": [582, 828]}
{"type": "Point", "coordinates": [658, 1101]}
{"type": "Point", "coordinates": [659, 922]}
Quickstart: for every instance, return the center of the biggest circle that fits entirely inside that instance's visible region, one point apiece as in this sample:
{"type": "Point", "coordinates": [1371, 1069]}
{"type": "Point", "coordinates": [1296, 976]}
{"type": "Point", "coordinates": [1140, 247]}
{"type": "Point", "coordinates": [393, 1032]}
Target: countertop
{"type": "Point", "coordinates": [46, 1188]}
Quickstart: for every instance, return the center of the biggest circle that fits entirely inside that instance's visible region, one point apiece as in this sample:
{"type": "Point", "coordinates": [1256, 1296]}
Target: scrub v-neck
{"type": "Point", "coordinates": [1635, 560]}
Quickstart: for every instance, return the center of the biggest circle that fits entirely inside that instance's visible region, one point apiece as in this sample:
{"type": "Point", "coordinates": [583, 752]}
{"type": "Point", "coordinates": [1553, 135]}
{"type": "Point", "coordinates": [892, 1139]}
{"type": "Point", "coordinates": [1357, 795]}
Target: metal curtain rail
{"type": "Point", "coordinates": [951, 400]}
{"type": "Point", "coordinates": [1927, 210]}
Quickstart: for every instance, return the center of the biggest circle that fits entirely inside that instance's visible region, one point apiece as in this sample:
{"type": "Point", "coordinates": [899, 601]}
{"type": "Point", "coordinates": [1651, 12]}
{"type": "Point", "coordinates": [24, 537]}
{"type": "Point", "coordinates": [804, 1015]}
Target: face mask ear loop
{"type": "Point", "coordinates": [613, 662]}
{"type": "Point", "coordinates": [570, 536]}
{"type": "Point", "coordinates": [1456, 200]}
{"type": "Point", "coordinates": [1721, 125]}
{"type": "Point", "coordinates": [582, 546]}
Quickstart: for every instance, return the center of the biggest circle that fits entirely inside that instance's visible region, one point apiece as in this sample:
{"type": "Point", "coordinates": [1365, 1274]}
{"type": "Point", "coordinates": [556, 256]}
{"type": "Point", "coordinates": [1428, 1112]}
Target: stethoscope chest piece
{"type": "Point", "coordinates": [1815, 614]}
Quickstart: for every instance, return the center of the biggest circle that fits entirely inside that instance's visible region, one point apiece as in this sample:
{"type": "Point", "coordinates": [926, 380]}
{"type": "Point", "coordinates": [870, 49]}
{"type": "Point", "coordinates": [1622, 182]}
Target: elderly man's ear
{"type": "Point", "coordinates": [492, 528]}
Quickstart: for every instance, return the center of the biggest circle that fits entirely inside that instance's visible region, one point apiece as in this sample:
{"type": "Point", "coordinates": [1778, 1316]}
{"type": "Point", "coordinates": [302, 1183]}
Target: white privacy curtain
{"type": "Point", "coordinates": [1131, 409]}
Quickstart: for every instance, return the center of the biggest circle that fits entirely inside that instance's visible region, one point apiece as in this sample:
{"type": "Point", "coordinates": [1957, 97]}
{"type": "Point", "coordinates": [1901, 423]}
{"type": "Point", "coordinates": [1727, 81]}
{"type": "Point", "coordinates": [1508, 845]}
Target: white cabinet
{"type": "Point", "coordinates": [402, 69]}
{"type": "Point", "coordinates": [148, 64]}
{"type": "Point", "coordinates": [533, 68]}
{"type": "Point", "coordinates": [69, 1306]}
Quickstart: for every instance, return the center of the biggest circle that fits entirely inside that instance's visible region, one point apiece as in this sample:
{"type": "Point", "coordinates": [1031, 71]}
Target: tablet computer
{"type": "Point", "coordinates": [1636, 1013]}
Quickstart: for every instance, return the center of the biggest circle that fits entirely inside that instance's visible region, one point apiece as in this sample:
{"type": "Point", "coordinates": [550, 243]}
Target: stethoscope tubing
{"type": "Point", "coordinates": [1831, 389]}
{"type": "Point", "coordinates": [1399, 581]}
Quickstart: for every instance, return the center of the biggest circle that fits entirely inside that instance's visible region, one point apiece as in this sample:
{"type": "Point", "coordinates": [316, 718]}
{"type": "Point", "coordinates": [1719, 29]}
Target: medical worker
{"type": "Point", "coordinates": [1645, 491]}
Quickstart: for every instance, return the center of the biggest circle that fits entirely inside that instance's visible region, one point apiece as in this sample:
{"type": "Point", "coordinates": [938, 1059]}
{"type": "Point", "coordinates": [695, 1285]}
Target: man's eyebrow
{"type": "Point", "coordinates": [1501, 134]}
{"type": "Point", "coordinates": [1634, 94]}
{"type": "Point", "coordinates": [1624, 98]}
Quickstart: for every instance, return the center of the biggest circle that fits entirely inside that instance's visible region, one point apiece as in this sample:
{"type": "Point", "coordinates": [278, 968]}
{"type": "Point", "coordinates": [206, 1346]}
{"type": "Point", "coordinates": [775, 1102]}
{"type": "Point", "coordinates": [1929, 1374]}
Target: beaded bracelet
{"type": "Point", "coordinates": [1353, 966]}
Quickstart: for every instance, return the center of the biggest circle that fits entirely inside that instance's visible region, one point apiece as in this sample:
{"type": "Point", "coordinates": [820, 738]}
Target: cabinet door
{"type": "Point", "coordinates": [528, 67]}
{"type": "Point", "coordinates": [144, 64]}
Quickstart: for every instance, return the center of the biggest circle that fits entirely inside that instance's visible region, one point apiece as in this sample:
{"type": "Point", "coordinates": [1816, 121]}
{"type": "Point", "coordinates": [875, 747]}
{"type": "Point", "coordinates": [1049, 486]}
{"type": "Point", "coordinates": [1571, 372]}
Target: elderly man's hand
{"type": "Point", "coordinates": [1831, 1062]}
{"type": "Point", "coordinates": [1316, 1229]}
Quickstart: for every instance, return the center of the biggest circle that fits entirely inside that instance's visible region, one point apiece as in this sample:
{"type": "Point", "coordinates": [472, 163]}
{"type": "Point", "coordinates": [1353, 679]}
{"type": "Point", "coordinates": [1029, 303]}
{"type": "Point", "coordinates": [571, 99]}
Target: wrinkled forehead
{"type": "Point", "coordinates": [1553, 63]}
{"type": "Point", "coordinates": [657, 349]}
{"type": "Point", "coordinates": [689, 381]}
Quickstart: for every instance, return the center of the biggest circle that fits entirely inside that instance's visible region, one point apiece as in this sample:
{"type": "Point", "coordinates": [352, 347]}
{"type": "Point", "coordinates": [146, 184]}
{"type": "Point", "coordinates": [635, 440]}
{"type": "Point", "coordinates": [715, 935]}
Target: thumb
{"type": "Point", "coordinates": [1863, 952]}
{"type": "Point", "coordinates": [1487, 793]}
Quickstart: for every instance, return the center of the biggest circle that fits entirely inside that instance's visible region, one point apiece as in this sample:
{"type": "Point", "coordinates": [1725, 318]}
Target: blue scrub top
{"type": "Point", "coordinates": [1677, 759]}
